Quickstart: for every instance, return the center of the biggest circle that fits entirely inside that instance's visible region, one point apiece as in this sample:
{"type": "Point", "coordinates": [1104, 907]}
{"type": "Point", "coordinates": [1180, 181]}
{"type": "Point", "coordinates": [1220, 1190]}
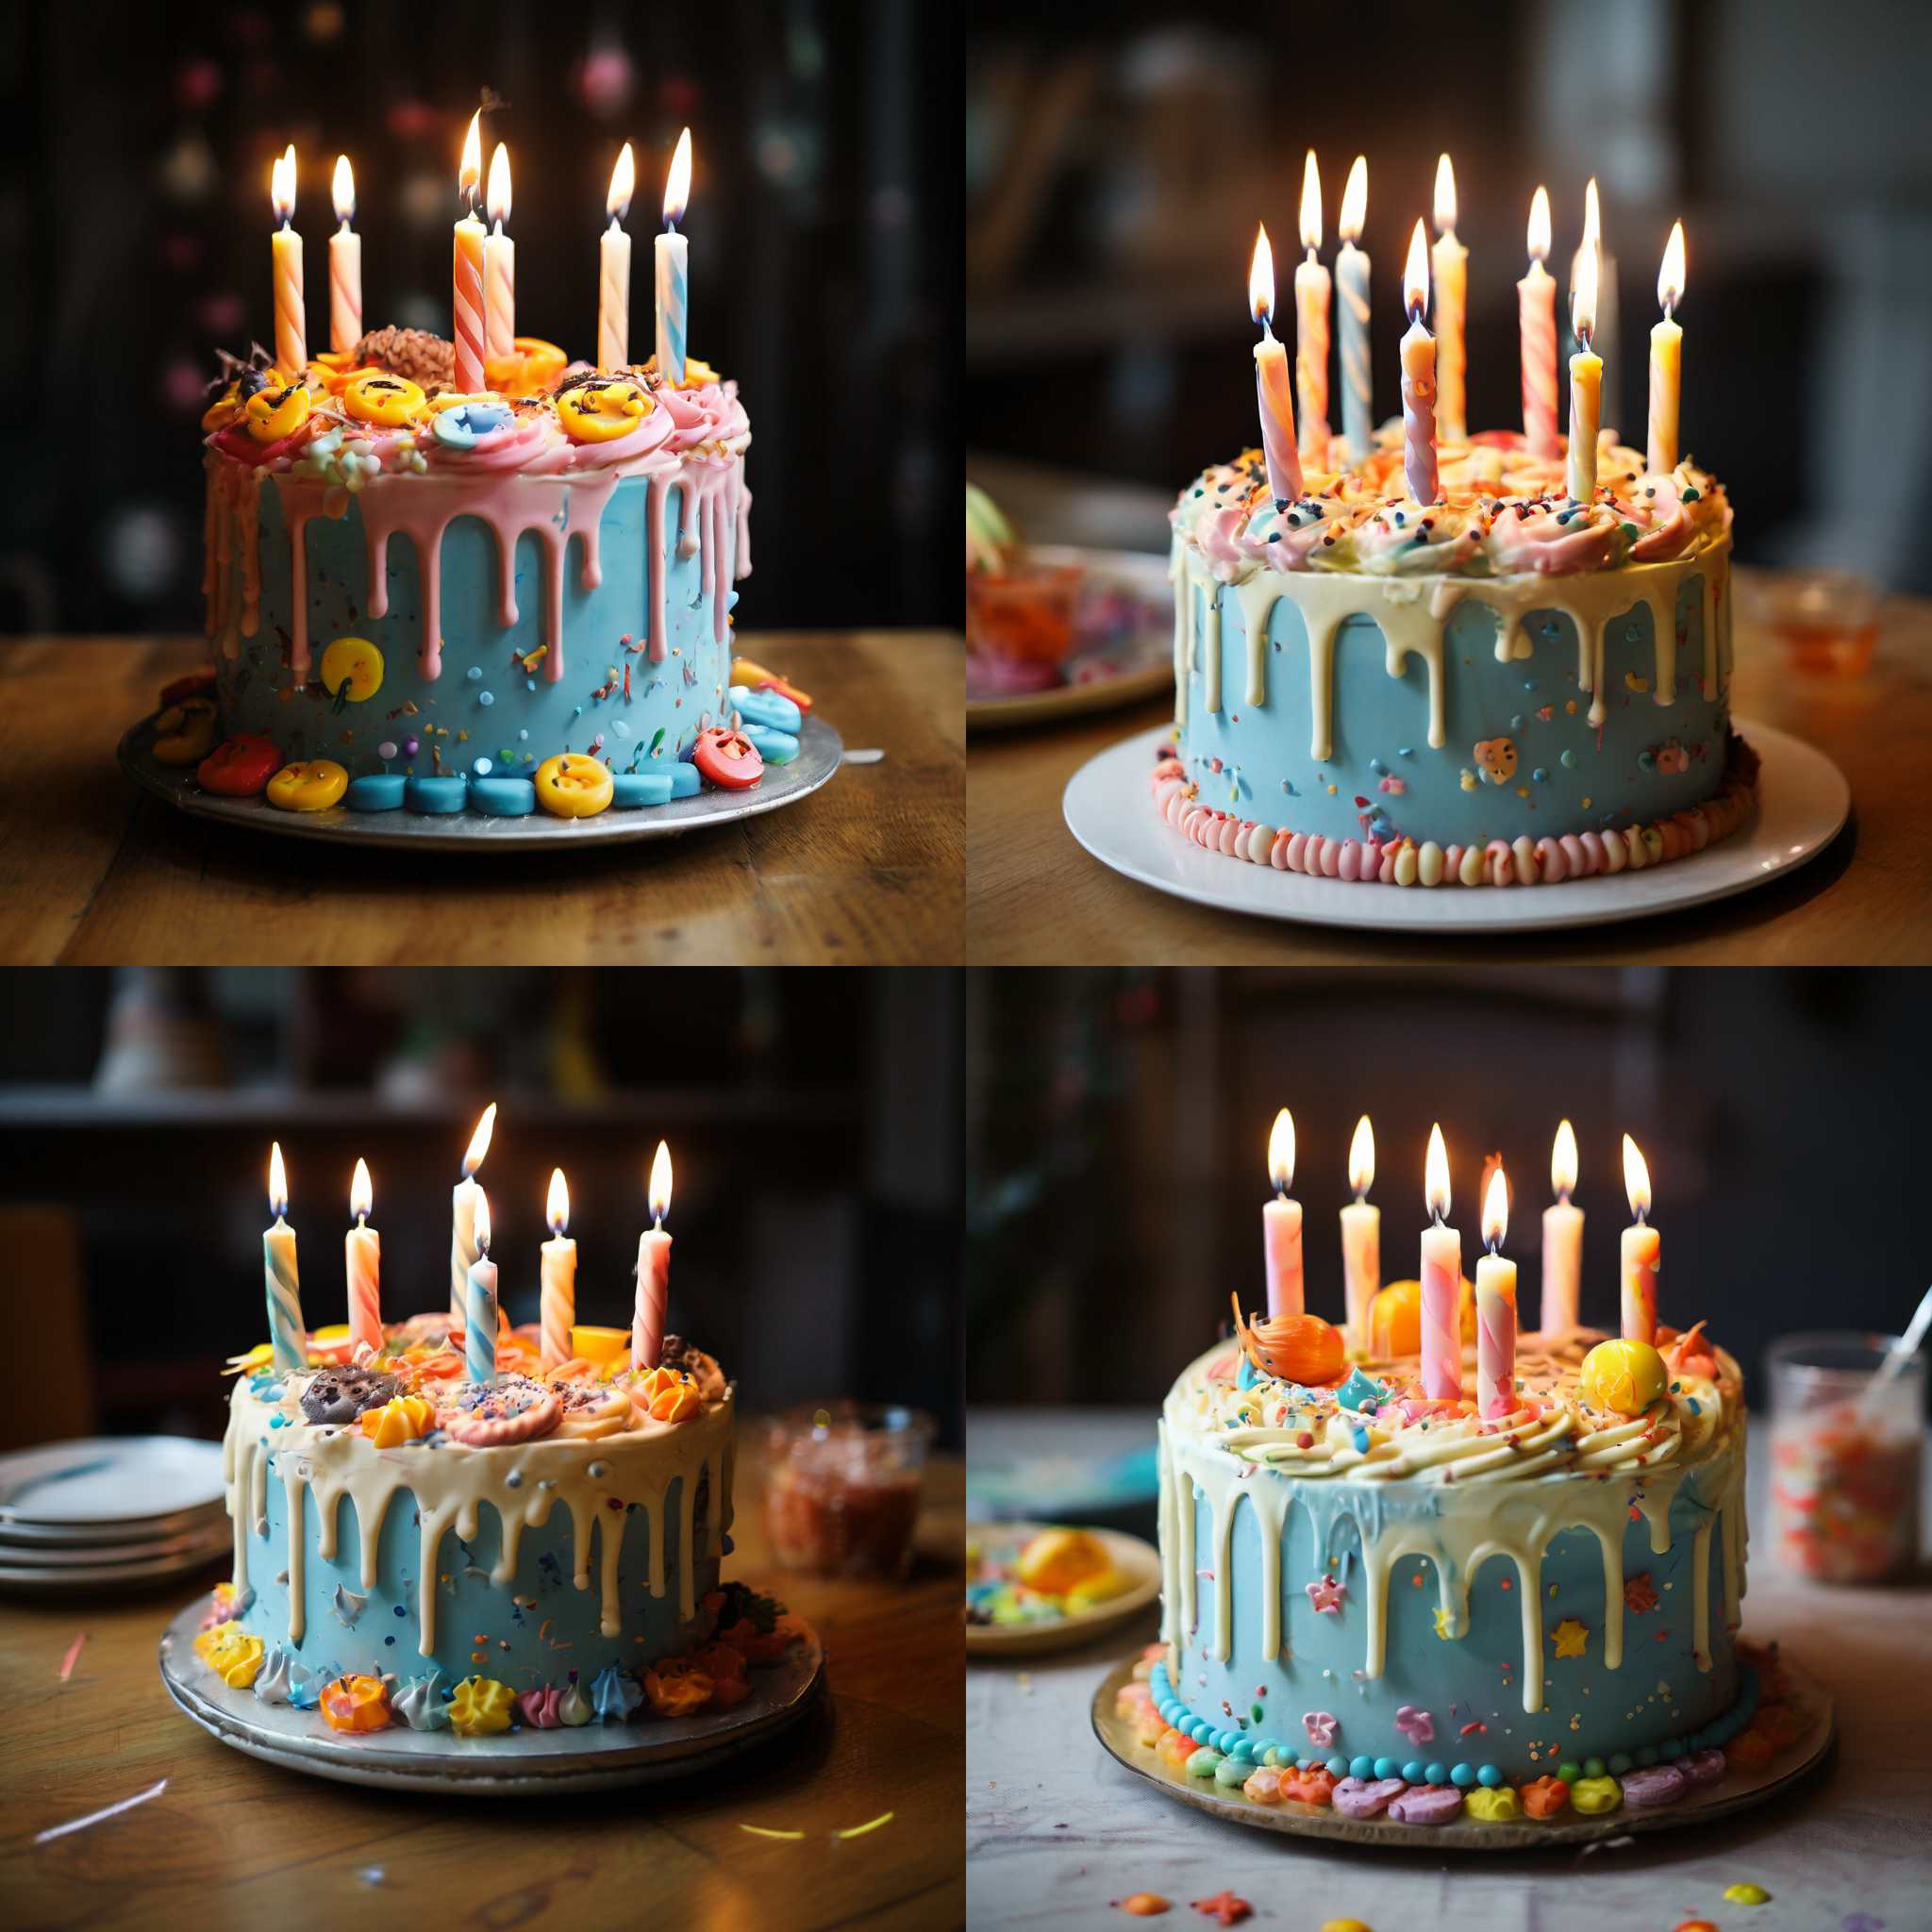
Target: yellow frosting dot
{"type": "Point", "coordinates": [1493, 1807]}
{"type": "Point", "coordinates": [1596, 1795]}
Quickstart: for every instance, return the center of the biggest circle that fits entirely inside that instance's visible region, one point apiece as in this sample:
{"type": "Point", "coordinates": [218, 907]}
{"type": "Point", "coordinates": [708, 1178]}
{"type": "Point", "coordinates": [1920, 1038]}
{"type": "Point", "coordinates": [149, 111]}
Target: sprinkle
{"type": "Point", "coordinates": [55, 1831]}
{"type": "Point", "coordinates": [72, 1654]}
{"type": "Point", "coordinates": [860, 1830]}
{"type": "Point", "coordinates": [759, 1831]}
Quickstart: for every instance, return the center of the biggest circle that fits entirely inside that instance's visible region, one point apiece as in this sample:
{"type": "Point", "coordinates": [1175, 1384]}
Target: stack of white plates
{"type": "Point", "coordinates": [108, 1512]}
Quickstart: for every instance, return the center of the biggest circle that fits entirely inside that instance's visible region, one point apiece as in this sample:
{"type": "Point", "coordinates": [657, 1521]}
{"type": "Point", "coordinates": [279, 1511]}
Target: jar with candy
{"type": "Point", "coordinates": [841, 1489]}
{"type": "Point", "coordinates": [1845, 1457]}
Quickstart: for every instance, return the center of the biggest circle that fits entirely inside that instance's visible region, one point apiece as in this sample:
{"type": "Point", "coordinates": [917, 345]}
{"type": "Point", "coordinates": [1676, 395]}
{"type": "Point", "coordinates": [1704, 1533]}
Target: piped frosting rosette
{"type": "Point", "coordinates": [709, 413]}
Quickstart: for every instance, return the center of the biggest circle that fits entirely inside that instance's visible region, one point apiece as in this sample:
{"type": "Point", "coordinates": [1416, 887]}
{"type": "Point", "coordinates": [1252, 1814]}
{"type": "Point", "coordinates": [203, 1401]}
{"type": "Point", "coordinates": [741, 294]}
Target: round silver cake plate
{"type": "Point", "coordinates": [518, 1763]}
{"type": "Point", "coordinates": [1738, 1792]}
{"type": "Point", "coordinates": [1803, 803]}
{"type": "Point", "coordinates": [820, 751]}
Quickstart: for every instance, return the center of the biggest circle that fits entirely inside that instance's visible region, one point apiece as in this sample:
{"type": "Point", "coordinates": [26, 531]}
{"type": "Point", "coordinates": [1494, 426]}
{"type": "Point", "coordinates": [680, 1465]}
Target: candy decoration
{"type": "Point", "coordinates": [185, 733]}
{"type": "Point", "coordinates": [307, 784]}
{"type": "Point", "coordinates": [240, 767]}
{"type": "Point", "coordinates": [351, 670]}
{"type": "Point", "coordinates": [572, 787]}
{"type": "Point", "coordinates": [728, 758]}
{"type": "Point", "coordinates": [356, 1704]}
{"type": "Point", "coordinates": [479, 1706]}
{"type": "Point", "coordinates": [1623, 1377]}
{"type": "Point", "coordinates": [1427, 1805]}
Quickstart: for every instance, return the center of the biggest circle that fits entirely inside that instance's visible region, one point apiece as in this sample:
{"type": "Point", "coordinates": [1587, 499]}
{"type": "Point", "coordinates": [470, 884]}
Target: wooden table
{"type": "Point", "coordinates": [1055, 1829]}
{"type": "Point", "coordinates": [234, 1841]}
{"type": "Point", "coordinates": [868, 871]}
{"type": "Point", "coordinates": [1035, 898]}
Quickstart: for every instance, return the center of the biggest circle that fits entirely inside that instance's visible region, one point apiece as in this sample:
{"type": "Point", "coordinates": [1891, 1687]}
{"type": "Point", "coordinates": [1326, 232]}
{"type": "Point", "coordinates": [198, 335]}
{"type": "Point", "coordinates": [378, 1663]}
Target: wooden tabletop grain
{"type": "Point", "coordinates": [1035, 898]}
{"type": "Point", "coordinates": [232, 1841]}
{"type": "Point", "coordinates": [867, 872]}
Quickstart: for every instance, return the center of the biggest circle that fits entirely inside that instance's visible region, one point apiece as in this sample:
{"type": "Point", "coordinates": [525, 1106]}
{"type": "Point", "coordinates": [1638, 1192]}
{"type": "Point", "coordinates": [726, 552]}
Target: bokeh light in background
{"type": "Point", "coordinates": [824, 255]}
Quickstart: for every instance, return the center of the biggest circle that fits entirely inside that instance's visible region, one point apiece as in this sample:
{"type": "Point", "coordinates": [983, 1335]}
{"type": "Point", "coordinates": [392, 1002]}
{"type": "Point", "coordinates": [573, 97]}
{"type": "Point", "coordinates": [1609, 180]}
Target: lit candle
{"type": "Point", "coordinates": [471, 236]}
{"type": "Point", "coordinates": [1361, 1237]}
{"type": "Point", "coordinates": [1312, 288]}
{"type": "Point", "coordinates": [1352, 289]}
{"type": "Point", "coordinates": [1642, 1246]}
{"type": "Point", "coordinates": [1272, 391]}
{"type": "Point", "coordinates": [1451, 259]}
{"type": "Point", "coordinates": [1418, 377]}
{"type": "Point", "coordinates": [1586, 390]}
{"type": "Point", "coordinates": [364, 1253]}
{"type": "Point", "coordinates": [1281, 1223]}
{"type": "Point", "coordinates": [286, 1335]}
{"type": "Point", "coordinates": [1562, 1240]}
{"type": "Point", "coordinates": [1666, 359]}
{"type": "Point", "coordinates": [479, 1310]}
{"type": "Point", "coordinates": [291, 329]}
{"type": "Point", "coordinates": [673, 278]}
{"type": "Point", "coordinates": [462, 1245]}
{"type": "Point", "coordinates": [1441, 1271]}
{"type": "Point", "coordinates": [654, 1271]}
{"type": "Point", "coordinates": [1606, 334]}
{"type": "Point", "coordinates": [558, 1310]}
{"type": "Point", "coordinates": [613, 269]}
{"type": "Point", "coordinates": [1495, 1309]}
{"type": "Point", "coordinates": [1536, 305]}
{"type": "Point", "coordinates": [499, 264]}
{"type": "Point", "coordinates": [345, 266]}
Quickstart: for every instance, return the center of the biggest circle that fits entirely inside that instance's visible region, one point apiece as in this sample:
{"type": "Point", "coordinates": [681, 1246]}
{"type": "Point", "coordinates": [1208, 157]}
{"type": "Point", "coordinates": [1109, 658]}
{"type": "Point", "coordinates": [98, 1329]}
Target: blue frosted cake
{"type": "Point", "coordinates": [440, 602]}
{"type": "Point", "coordinates": [1505, 687]}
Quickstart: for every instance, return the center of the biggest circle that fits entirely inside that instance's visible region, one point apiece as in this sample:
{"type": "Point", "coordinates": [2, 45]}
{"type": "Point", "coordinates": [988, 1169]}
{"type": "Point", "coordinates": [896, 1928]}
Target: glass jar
{"type": "Point", "coordinates": [1844, 1457]}
{"type": "Point", "coordinates": [842, 1488]}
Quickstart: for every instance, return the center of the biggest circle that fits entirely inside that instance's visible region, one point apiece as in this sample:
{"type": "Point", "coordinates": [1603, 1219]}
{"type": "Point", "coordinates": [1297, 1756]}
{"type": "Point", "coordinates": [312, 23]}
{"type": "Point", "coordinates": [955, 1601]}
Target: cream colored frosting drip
{"type": "Point", "coordinates": [450, 1483]}
{"type": "Point", "coordinates": [1473, 1492]}
{"type": "Point", "coordinates": [231, 573]}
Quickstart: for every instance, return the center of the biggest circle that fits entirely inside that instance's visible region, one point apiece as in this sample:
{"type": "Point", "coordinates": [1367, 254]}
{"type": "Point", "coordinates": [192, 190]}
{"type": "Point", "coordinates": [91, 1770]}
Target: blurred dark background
{"type": "Point", "coordinates": [1117, 1129]}
{"type": "Point", "coordinates": [813, 1120]}
{"type": "Point", "coordinates": [135, 217]}
{"type": "Point", "coordinates": [1119, 158]}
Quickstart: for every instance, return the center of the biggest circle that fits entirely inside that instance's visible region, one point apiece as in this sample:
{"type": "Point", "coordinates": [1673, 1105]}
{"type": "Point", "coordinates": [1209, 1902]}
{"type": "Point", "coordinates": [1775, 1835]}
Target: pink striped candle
{"type": "Point", "coordinates": [1313, 289]}
{"type": "Point", "coordinates": [1495, 1309]}
{"type": "Point", "coordinates": [1450, 260]}
{"type": "Point", "coordinates": [1643, 1248]}
{"type": "Point", "coordinates": [1563, 1239]}
{"type": "Point", "coordinates": [1441, 1277]}
{"type": "Point", "coordinates": [364, 1257]}
{"type": "Point", "coordinates": [1418, 379]}
{"type": "Point", "coordinates": [654, 1271]}
{"type": "Point", "coordinates": [1536, 308]}
{"type": "Point", "coordinates": [467, 287]}
{"type": "Point", "coordinates": [1281, 1223]}
{"type": "Point", "coordinates": [345, 266]}
{"type": "Point", "coordinates": [499, 265]}
{"type": "Point", "coordinates": [1273, 394]}
{"type": "Point", "coordinates": [292, 328]}
{"type": "Point", "coordinates": [558, 1309]}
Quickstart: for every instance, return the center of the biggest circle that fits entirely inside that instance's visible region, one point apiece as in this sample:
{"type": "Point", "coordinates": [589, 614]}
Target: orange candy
{"type": "Point", "coordinates": [1314, 1787]}
{"type": "Point", "coordinates": [1264, 1788]}
{"type": "Point", "coordinates": [1175, 1749]}
{"type": "Point", "coordinates": [1144, 1905]}
{"type": "Point", "coordinates": [677, 1690]}
{"type": "Point", "coordinates": [1149, 1725]}
{"type": "Point", "coordinates": [1750, 1750]}
{"type": "Point", "coordinates": [1544, 1797]}
{"type": "Point", "coordinates": [355, 1703]}
{"type": "Point", "coordinates": [1395, 1318]}
{"type": "Point", "coordinates": [1298, 1348]}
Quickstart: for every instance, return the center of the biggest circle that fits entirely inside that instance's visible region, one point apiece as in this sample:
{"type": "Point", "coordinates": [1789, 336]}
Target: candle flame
{"type": "Point", "coordinates": [1261, 279]}
{"type": "Point", "coordinates": [1592, 220]}
{"type": "Point", "coordinates": [481, 1225]}
{"type": "Point", "coordinates": [479, 1142]}
{"type": "Point", "coordinates": [1415, 275]}
{"type": "Point", "coordinates": [1539, 225]}
{"type": "Point", "coordinates": [557, 1206]}
{"type": "Point", "coordinates": [496, 198]}
{"type": "Point", "coordinates": [1355, 201]}
{"type": "Point", "coordinates": [1281, 1152]}
{"type": "Point", "coordinates": [1436, 1168]}
{"type": "Point", "coordinates": [470, 173]}
{"type": "Point", "coordinates": [623, 181]}
{"type": "Point", "coordinates": [1311, 204]}
{"type": "Point", "coordinates": [1445, 195]}
{"type": "Point", "coordinates": [277, 1181]}
{"type": "Point", "coordinates": [344, 187]}
{"type": "Point", "coordinates": [1496, 1210]}
{"type": "Point", "coordinates": [1670, 277]}
{"type": "Point", "coordinates": [660, 1184]}
{"type": "Point", "coordinates": [677, 182]}
{"type": "Point", "coordinates": [1564, 1161]}
{"type": "Point", "coordinates": [361, 1194]}
{"type": "Point", "coordinates": [1635, 1179]}
{"type": "Point", "coordinates": [281, 184]}
{"type": "Point", "coordinates": [1362, 1157]}
{"type": "Point", "coordinates": [1583, 297]}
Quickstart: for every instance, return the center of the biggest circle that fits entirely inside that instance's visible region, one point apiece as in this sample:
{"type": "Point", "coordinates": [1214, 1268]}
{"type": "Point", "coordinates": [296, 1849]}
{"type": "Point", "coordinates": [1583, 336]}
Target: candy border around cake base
{"type": "Point", "coordinates": [1740, 1788]}
{"type": "Point", "coordinates": [820, 754]}
{"type": "Point", "coordinates": [516, 1763]}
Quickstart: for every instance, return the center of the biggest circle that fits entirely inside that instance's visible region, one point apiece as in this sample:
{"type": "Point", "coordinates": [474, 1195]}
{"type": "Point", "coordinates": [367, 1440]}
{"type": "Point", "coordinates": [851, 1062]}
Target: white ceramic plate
{"type": "Point", "coordinates": [69, 1560]}
{"type": "Point", "coordinates": [1131, 1556]}
{"type": "Point", "coordinates": [44, 1581]}
{"type": "Point", "coordinates": [1801, 802]}
{"type": "Point", "coordinates": [126, 1481]}
{"type": "Point", "coordinates": [1146, 657]}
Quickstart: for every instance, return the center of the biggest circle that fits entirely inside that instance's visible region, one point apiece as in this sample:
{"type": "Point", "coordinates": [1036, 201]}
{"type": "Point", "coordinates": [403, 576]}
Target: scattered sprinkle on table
{"type": "Point", "coordinates": [760, 1831]}
{"type": "Point", "coordinates": [1143, 1905]}
{"type": "Point", "coordinates": [67, 1664]}
{"type": "Point", "coordinates": [54, 1831]}
{"type": "Point", "coordinates": [860, 1830]}
{"type": "Point", "coordinates": [1745, 1893]}
{"type": "Point", "coordinates": [1224, 1908]}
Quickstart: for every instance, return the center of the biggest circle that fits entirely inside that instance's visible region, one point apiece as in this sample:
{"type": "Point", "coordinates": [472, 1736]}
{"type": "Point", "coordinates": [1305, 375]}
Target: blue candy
{"type": "Point", "coordinates": [685, 781]}
{"type": "Point", "coordinates": [376, 791]}
{"type": "Point", "coordinates": [460, 427]}
{"type": "Point", "coordinates": [766, 708]}
{"type": "Point", "coordinates": [504, 798]}
{"type": "Point", "coordinates": [445, 795]}
{"type": "Point", "coordinates": [628, 789]}
{"type": "Point", "coordinates": [775, 748]}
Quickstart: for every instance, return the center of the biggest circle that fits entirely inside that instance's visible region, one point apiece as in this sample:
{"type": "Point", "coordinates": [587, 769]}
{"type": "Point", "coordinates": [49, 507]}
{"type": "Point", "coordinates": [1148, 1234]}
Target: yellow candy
{"type": "Point", "coordinates": [1056, 1561]}
{"type": "Point", "coordinates": [597, 411]}
{"type": "Point", "coordinates": [1623, 1377]}
{"type": "Point", "coordinates": [186, 732]}
{"type": "Point", "coordinates": [1493, 1807]}
{"type": "Point", "coordinates": [600, 1345]}
{"type": "Point", "coordinates": [309, 785]}
{"type": "Point", "coordinates": [535, 366]}
{"type": "Point", "coordinates": [573, 788]}
{"type": "Point", "coordinates": [274, 413]}
{"type": "Point", "coordinates": [481, 1705]}
{"type": "Point", "coordinates": [1097, 1590]}
{"type": "Point", "coordinates": [354, 663]}
{"type": "Point", "coordinates": [1747, 1894]}
{"type": "Point", "coordinates": [398, 1421]}
{"type": "Point", "coordinates": [1596, 1795]}
{"type": "Point", "coordinates": [224, 409]}
{"type": "Point", "coordinates": [1345, 1926]}
{"type": "Point", "coordinates": [389, 400]}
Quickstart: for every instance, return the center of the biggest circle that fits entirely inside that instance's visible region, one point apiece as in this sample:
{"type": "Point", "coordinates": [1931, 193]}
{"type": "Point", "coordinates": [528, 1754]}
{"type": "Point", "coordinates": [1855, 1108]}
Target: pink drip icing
{"type": "Point", "coordinates": [654, 542]}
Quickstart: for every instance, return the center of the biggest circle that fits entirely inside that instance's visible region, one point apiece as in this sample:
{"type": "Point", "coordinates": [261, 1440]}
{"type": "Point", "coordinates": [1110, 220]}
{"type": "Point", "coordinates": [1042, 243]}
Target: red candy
{"type": "Point", "coordinates": [240, 767]}
{"type": "Point", "coordinates": [728, 758]}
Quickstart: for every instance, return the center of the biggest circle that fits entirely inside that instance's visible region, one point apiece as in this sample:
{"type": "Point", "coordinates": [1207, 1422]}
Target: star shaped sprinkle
{"type": "Point", "coordinates": [1327, 1594]}
{"type": "Point", "coordinates": [1569, 1636]}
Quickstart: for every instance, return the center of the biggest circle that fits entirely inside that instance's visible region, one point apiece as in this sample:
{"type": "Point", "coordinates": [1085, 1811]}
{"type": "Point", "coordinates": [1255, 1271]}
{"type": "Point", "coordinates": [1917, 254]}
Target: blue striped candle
{"type": "Point", "coordinates": [479, 1314]}
{"type": "Point", "coordinates": [287, 1337]}
{"type": "Point", "coordinates": [670, 254]}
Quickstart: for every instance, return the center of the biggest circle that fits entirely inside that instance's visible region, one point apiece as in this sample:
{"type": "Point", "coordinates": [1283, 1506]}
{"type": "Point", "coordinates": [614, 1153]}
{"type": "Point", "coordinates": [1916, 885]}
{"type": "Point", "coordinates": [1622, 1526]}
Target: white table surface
{"type": "Point", "coordinates": [1055, 1830]}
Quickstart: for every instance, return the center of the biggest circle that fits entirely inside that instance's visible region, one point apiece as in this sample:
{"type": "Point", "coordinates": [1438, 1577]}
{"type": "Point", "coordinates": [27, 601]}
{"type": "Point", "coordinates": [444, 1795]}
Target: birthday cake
{"type": "Point", "coordinates": [1503, 685]}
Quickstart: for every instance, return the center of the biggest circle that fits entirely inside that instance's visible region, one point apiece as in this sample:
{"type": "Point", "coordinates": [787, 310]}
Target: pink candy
{"type": "Point", "coordinates": [1427, 1805]}
{"type": "Point", "coordinates": [1355, 1797]}
{"type": "Point", "coordinates": [1652, 1789]}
